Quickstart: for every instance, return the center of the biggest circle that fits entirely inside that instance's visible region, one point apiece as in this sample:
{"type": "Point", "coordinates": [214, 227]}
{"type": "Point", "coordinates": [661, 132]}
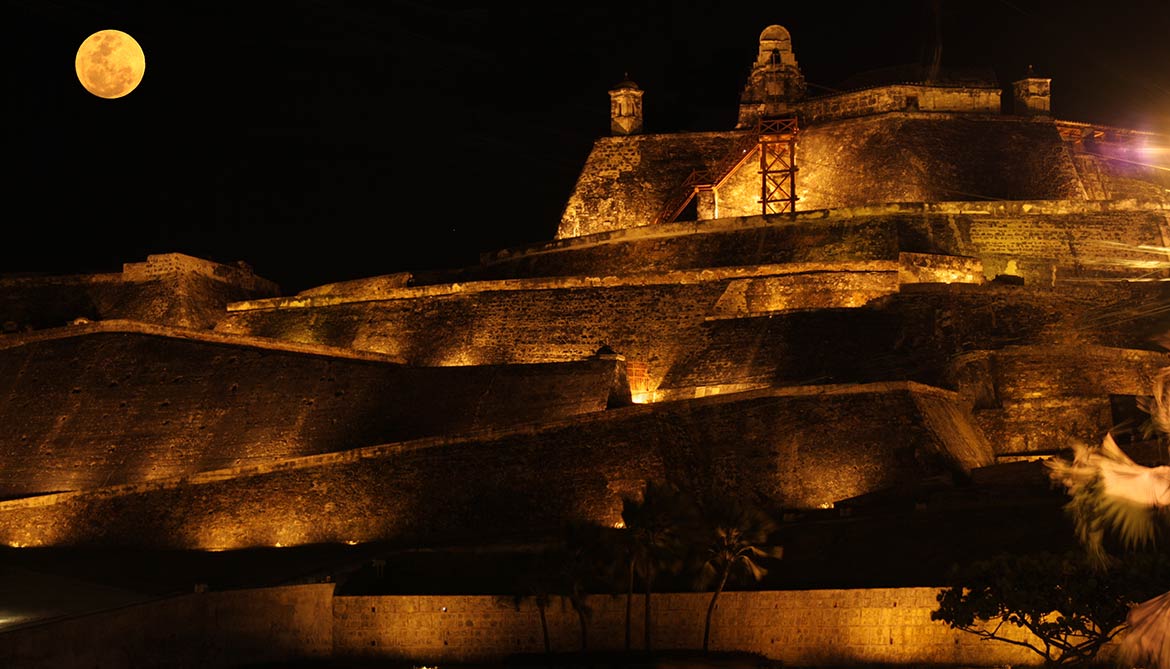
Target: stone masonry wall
{"type": "Point", "coordinates": [802, 447]}
{"type": "Point", "coordinates": [1028, 399]}
{"type": "Point", "coordinates": [797, 628]}
{"type": "Point", "coordinates": [214, 629]}
{"type": "Point", "coordinates": [705, 328]}
{"type": "Point", "coordinates": [892, 157]}
{"type": "Point", "coordinates": [1079, 242]}
{"type": "Point", "coordinates": [105, 404]}
{"type": "Point", "coordinates": [626, 181]}
{"type": "Point", "coordinates": [169, 289]}
{"type": "Point", "coordinates": [306, 623]}
{"type": "Point", "coordinates": [920, 158]}
{"type": "Point", "coordinates": [901, 97]}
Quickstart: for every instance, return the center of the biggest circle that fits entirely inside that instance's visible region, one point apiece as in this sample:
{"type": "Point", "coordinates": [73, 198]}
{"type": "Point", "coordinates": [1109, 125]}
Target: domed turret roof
{"type": "Point", "coordinates": [775, 32]}
{"type": "Point", "coordinates": [626, 84]}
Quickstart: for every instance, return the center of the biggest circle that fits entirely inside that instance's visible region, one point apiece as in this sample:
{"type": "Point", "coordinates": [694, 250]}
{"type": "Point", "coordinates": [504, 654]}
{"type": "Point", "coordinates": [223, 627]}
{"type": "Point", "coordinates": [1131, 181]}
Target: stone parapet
{"type": "Point", "coordinates": [900, 98]}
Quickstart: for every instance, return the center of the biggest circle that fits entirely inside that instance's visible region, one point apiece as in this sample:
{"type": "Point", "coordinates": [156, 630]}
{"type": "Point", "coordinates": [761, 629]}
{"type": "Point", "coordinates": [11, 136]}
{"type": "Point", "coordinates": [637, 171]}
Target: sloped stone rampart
{"type": "Point", "coordinates": [107, 404]}
{"type": "Point", "coordinates": [796, 447]}
{"type": "Point", "coordinates": [891, 157]}
{"type": "Point", "coordinates": [168, 289]}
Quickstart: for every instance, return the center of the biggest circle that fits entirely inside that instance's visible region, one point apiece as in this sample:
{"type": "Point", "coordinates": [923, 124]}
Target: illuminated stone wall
{"type": "Point", "coordinates": [830, 239]}
{"type": "Point", "coordinates": [797, 447]}
{"type": "Point", "coordinates": [1116, 163]}
{"type": "Point", "coordinates": [1031, 240]}
{"type": "Point", "coordinates": [895, 157]}
{"type": "Point", "coordinates": [168, 289]}
{"type": "Point", "coordinates": [1031, 399]}
{"type": "Point", "coordinates": [106, 404]}
{"type": "Point", "coordinates": [293, 624]}
{"type": "Point", "coordinates": [796, 628]}
{"type": "Point", "coordinates": [627, 180]}
{"type": "Point", "coordinates": [926, 158]}
{"type": "Point", "coordinates": [213, 629]}
{"type": "Point", "coordinates": [782, 324]}
{"type": "Point", "coordinates": [900, 97]}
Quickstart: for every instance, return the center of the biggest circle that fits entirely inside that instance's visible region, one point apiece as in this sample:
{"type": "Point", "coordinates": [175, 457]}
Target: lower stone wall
{"type": "Point", "coordinates": [797, 448]}
{"type": "Point", "coordinates": [216, 629]}
{"type": "Point", "coordinates": [110, 404]}
{"type": "Point", "coordinates": [797, 628]}
{"type": "Point", "coordinates": [801, 628]}
{"type": "Point", "coordinates": [1029, 399]}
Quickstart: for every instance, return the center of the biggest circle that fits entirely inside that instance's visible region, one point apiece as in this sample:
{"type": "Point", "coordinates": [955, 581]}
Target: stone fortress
{"type": "Point", "coordinates": [842, 297]}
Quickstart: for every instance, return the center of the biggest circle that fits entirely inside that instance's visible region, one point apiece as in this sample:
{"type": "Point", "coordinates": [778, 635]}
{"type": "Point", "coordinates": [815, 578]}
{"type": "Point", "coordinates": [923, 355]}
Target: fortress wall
{"type": "Point", "coordinates": [911, 335]}
{"type": "Point", "coordinates": [917, 158]}
{"type": "Point", "coordinates": [777, 241]}
{"type": "Point", "coordinates": [652, 324]}
{"type": "Point", "coordinates": [1048, 249]}
{"type": "Point", "coordinates": [661, 328]}
{"type": "Point", "coordinates": [749, 242]}
{"type": "Point", "coordinates": [799, 448]}
{"type": "Point", "coordinates": [892, 157]}
{"type": "Point", "coordinates": [307, 623]}
{"type": "Point", "coordinates": [1001, 208]}
{"type": "Point", "coordinates": [85, 410]}
{"type": "Point", "coordinates": [213, 629]}
{"type": "Point", "coordinates": [626, 181]}
{"type": "Point", "coordinates": [1042, 399]}
{"type": "Point", "coordinates": [166, 264]}
{"type": "Point", "coordinates": [795, 628]}
{"type": "Point", "coordinates": [708, 334]}
{"type": "Point", "coordinates": [1118, 164]}
{"type": "Point", "coordinates": [34, 304]}
{"type": "Point", "coordinates": [169, 289]}
{"type": "Point", "coordinates": [903, 97]}
{"type": "Point", "coordinates": [1079, 242]}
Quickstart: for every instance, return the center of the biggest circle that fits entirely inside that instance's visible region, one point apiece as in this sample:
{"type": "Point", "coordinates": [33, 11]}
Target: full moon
{"type": "Point", "coordinates": [110, 64]}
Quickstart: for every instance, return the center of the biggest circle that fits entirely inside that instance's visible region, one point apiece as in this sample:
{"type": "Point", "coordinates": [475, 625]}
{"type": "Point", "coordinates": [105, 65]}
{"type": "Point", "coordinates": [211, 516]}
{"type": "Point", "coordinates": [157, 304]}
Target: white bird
{"type": "Point", "coordinates": [1111, 491]}
{"type": "Point", "coordinates": [1148, 639]}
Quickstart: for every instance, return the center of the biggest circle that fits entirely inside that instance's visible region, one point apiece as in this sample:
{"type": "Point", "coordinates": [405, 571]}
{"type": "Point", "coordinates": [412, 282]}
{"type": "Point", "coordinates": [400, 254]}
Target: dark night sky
{"type": "Point", "coordinates": [321, 141]}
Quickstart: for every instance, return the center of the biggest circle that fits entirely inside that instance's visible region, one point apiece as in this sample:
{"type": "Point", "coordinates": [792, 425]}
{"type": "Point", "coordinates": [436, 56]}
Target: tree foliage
{"type": "Point", "coordinates": [655, 539]}
{"type": "Point", "coordinates": [733, 540]}
{"type": "Point", "coordinates": [1071, 606]}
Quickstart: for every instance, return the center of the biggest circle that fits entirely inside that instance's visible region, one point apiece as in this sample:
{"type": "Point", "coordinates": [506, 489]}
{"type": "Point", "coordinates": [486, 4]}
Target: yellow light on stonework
{"type": "Point", "coordinates": [460, 357]}
{"type": "Point", "coordinates": [110, 64]}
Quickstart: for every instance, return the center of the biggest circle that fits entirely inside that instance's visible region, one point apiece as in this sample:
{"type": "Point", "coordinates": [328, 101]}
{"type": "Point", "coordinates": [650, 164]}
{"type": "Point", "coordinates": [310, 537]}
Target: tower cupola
{"type": "Point", "coordinates": [625, 108]}
{"type": "Point", "coordinates": [1032, 95]}
{"type": "Point", "coordinates": [775, 79]}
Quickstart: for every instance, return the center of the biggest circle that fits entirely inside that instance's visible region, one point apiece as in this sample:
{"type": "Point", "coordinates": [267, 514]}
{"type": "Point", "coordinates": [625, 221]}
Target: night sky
{"type": "Point", "coordinates": [321, 141]}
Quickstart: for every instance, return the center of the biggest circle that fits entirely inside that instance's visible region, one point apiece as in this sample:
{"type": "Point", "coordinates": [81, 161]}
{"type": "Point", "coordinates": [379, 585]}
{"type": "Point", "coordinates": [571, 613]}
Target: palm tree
{"type": "Point", "coordinates": [654, 527]}
{"type": "Point", "coordinates": [736, 535]}
{"type": "Point", "coordinates": [539, 583]}
{"type": "Point", "coordinates": [580, 568]}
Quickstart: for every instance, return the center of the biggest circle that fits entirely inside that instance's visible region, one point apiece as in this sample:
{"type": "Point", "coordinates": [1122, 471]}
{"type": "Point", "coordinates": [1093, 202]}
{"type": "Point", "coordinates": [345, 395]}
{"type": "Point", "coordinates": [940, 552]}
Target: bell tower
{"type": "Point", "coordinates": [775, 79]}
